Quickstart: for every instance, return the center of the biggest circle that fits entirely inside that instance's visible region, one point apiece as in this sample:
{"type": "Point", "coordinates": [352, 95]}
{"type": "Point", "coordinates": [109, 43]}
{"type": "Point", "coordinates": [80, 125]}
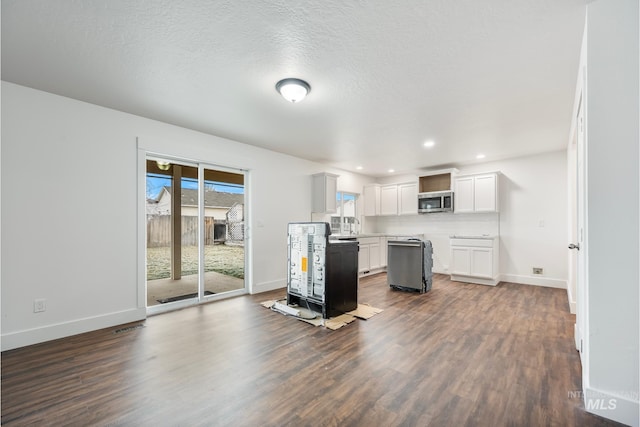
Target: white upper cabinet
{"type": "Point", "coordinates": [325, 187]}
{"type": "Point", "coordinates": [476, 193]}
{"type": "Point", "coordinates": [371, 200]}
{"type": "Point", "coordinates": [463, 195]}
{"type": "Point", "coordinates": [389, 199]}
{"type": "Point", "coordinates": [408, 198]}
{"type": "Point", "coordinates": [486, 193]}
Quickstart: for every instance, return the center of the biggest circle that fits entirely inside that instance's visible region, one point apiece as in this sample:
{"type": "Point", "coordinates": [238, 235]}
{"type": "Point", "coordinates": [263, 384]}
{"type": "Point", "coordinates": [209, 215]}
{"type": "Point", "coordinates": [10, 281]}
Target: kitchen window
{"type": "Point", "coordinates": [345, 221]}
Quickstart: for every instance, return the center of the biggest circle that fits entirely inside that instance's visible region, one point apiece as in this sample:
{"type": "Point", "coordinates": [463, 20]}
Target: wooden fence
{"type": "Point", "coordinates": [159, 231]}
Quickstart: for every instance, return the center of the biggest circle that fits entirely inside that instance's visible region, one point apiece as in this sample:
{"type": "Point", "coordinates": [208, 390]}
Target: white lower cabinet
{"type": "Point", "coordinates": [363, 258]}
{"type": "Point", "coordinates": [474, 260]}
{"type": "Point", "coordinates": [383, 252]}
{"type": "Point", "coordinates": [369, 255]}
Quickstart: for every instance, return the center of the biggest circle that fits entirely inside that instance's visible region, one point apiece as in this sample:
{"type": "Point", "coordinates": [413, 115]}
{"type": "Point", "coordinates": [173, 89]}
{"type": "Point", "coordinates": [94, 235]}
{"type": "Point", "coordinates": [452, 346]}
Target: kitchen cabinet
{"type": "Point", "coordinates": [383, 251]}
{"type": "Point", "coordinates": [474, 260]}
{"type": "Point", "coordinates": [363, 258]}
{"type": "Point", "coordinates": [441, 180]}
{"type": "Point", "coordinates": [369, 257]}
{"type": "Point", "coordinates": [371, 199]}
{"type": "Point", "coordinates": [476, 193]}
{"type": "Point", "coordinates": [408, 198]}
{"type": "Point", "coordinates": [389, 199]}
{"type": "Point", "coordinates": [324, 189]}
{"type": "Point", "coordinates": [399, 199]}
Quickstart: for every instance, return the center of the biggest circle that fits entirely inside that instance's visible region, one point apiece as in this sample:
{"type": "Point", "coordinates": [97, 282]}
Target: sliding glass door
{"type": "Point", "coordinates": [195, 233]}
{"type": "Point", "coordinates": [224, 231]}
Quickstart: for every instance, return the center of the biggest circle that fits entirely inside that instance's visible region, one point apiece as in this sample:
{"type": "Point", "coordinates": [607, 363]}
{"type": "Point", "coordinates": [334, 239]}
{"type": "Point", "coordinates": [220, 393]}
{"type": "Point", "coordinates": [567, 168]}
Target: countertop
{"type": "Point", "coordinates": [473, 236]}
{"type": "Point", "coordinates": [364, 235]}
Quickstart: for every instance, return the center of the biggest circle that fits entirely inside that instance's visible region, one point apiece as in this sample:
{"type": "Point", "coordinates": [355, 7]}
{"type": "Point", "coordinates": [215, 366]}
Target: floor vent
{"type": "Point", "coordinates": [128, 328]}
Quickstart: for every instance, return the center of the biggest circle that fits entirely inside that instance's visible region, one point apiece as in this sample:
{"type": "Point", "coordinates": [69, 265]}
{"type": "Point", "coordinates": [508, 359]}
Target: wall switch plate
{"type": "Point", "coordinates": [39, 305]}
{"type": "Point", "coordinates": [537, 270]}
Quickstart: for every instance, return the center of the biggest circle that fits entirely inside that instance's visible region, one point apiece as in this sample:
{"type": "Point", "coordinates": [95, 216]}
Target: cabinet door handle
{"type": "Point", "coordinates": [574, 246]}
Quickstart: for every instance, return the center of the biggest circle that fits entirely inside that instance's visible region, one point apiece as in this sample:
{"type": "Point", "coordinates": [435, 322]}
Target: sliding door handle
{"type": "Point", "coordinates": [574, 246]}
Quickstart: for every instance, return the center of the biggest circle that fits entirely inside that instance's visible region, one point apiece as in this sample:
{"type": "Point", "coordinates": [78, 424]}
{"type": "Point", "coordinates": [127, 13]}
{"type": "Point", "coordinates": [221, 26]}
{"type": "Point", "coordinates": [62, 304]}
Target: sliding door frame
{"type": "Point", "coordinates": [141, 295]}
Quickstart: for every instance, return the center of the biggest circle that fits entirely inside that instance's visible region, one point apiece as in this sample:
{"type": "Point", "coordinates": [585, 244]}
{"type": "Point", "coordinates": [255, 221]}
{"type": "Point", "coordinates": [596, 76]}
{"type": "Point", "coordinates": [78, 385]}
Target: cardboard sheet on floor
{"type": "Point", "coordinates": [338, 322]}
{"type": "Point", "coordinates": [365, 311]}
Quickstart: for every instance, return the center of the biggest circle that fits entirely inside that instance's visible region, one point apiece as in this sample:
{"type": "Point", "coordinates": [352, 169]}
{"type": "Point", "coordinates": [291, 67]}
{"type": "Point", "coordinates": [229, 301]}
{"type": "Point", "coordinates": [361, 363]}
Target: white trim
{"type": "Point", "coordinates": [475, 280]}
{"type": "Point", "coordinates": [145, 154]}
{"type": "Point", "coordinates": [178, 305]}
{"type": "Point", "coordinates": [620, 407]}
{"type": "Point", "coordinates": [61, 330]}
{"type": "Point", "coordinates": [141, 225]}
{"type": "Point", "coordinates": [572, 300]}
{"type": "Point", "coordinates": [548, 282]}
{"type": "Point", "coordinates": [269, 286]}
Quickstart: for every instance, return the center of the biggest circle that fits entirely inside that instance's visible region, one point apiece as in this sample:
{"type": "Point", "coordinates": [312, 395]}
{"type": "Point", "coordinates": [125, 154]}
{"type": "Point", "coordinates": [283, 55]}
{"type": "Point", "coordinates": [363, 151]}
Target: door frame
{"type": "Point", "coordinates": [141, 286]}
{"type": "Point", "coordinates": [578, 224]}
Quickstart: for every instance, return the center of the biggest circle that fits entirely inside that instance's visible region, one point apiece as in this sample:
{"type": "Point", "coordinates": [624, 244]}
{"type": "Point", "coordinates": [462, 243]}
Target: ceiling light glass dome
{"type": "Point", "coordinates": [293, 90]}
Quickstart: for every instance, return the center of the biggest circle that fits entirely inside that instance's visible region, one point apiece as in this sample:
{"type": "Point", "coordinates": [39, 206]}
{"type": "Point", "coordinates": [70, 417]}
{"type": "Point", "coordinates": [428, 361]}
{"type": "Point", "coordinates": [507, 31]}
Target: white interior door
{"type": "Point", "coordinates": [578, 244]}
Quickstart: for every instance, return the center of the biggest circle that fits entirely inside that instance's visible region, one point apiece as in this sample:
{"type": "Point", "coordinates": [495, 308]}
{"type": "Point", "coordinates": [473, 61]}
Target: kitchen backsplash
{"type": "Point", "coordinates": [440, 224]}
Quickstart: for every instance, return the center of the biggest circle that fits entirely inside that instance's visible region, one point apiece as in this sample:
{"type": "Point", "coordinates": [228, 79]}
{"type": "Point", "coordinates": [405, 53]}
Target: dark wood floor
{"type": "Point", "coordinates": [459, 355]}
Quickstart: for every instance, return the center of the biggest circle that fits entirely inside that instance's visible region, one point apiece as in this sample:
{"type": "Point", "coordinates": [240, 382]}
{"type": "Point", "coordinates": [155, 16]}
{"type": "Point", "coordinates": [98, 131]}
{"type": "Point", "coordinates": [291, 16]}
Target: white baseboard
{"type": "Point", "coordinates": [572, 300]}
{"type": "Point", "coordinates": [536, 281]}
{"type": "Point", "coordinates": [476, 280]}
{"type": "Point", "coordinates": [61, 330]}
{"type": "Point", "coordinates": [258, 288]}
{"type": "Point", "coordinates": [621, 408]}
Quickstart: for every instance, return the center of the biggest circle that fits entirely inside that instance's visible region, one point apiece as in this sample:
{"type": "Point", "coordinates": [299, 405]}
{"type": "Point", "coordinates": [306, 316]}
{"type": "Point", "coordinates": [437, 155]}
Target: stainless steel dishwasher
{"type": "Point", "coordinates": [410, 264]}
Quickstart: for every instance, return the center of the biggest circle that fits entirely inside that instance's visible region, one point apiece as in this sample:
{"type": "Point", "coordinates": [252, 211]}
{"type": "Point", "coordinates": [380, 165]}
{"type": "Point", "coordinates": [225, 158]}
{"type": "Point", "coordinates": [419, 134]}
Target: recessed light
{"type": "Point", "coordinates": [480, 156]}
{"type": "Point", "coordinates": [359, 168]}
{"type": "Point", "coordinates": [429, 144]}
{"type": "Point", "coordinates": [392, 170]}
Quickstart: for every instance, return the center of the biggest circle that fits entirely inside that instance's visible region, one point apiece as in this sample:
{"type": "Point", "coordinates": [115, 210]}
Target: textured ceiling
{"type": "Point", "coordinates": [491, 76]}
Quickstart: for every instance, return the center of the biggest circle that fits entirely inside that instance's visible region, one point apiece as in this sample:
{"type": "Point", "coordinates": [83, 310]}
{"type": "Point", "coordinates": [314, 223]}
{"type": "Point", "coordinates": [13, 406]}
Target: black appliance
{"type": "Point", "coordinates": [322, 275]}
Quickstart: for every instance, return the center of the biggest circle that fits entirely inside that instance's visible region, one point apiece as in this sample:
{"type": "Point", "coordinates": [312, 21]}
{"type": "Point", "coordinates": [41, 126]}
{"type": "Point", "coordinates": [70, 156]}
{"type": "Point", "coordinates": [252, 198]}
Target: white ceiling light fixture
{"type": "Point", "coordinates": [293, 90]}
{"type": "Point", "coordinates": [392, 170]}
{"type": "Point", "coordinates": [429, 144]}
{"type": "Point", "coordinates": [480, 156]}
{"type": "Point", "coordinates": [359, 168]}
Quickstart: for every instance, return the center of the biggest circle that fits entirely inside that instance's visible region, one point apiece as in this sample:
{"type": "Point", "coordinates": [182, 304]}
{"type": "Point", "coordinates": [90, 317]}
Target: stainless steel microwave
{"type": "Point", "coordinates": [435, 201]}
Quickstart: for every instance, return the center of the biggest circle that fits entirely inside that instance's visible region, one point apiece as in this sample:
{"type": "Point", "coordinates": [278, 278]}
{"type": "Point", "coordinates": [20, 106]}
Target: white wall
{"type": "Point", "coordinates": [82, 257]}
{"type": "Point", "coordinates": [532, 221]}
{"type": "Point", "coordinates": [612, 240]}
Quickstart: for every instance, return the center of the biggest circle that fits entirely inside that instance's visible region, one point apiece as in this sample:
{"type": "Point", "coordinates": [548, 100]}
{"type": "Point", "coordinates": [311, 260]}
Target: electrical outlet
{"type": "Point", "coordinates": [39, 305]}
{"type": "Point", "coordinates": [537, 270]}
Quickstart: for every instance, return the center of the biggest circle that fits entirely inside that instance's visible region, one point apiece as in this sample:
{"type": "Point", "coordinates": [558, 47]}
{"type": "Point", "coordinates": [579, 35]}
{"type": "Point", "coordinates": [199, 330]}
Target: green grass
{"type": "Point", "coordinates": [228, 260]}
